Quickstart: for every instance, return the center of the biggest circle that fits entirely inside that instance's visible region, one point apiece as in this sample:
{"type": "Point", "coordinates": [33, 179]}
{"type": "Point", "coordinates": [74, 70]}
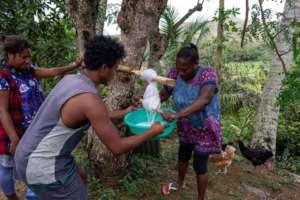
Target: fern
{"type": "Point", "coordinates": [180, 36]}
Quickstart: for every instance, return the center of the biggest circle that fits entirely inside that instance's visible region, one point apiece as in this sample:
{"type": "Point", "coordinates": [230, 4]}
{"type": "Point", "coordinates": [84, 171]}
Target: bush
{"type": "Point", "coordinates": [288, 136]}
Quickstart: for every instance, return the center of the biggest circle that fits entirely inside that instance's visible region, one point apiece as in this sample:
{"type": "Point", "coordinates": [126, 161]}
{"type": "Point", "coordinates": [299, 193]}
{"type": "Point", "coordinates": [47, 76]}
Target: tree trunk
{"type": "Point", "coordinates": [83, 14]}
{"type": "Point", "coordinates": [220, 39]}
{"type": "Point", "coordinates": [268, 110]}
{"type": "Point", "coordinates": [138, 19]}
{"type": "Point", "coordinates": [101, 17]}
{"type": "Point", "coordinates": [159, 42]}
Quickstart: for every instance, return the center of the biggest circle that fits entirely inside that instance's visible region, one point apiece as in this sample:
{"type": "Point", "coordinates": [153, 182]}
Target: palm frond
{"type": "Point", "coordinates": [179, 36]}
{"type": "Point", "coordinates": [202, 33]}
{"type": "Point", "coordinates": [235, 95]}
{"type": "Point", "coordinates": [168, 24]}
{"type": "Point", "coordinates": [194, 29]}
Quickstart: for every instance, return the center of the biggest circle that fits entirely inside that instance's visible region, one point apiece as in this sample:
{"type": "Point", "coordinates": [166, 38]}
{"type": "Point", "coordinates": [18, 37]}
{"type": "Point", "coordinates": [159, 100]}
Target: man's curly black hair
{"type": "Point", "coordinates": [102, 50]}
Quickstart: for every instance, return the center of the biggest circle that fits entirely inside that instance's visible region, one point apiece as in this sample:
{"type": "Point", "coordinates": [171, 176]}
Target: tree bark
{"type": "Point", "coordinates": [268, 110]}
{"type": "Point", "coordinates": [83, 14]}
{"type": "Point", "coordinates": [159, 42]}
{"type": "Point", "coordinates": [138, 19]}
{"type": "Point", "coordinates": [245, 24]}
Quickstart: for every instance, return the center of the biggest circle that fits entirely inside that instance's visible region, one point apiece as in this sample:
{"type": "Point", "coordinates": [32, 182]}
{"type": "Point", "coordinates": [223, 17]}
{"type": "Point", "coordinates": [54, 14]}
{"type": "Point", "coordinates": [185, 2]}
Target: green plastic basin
{"type": "Point", "coordinates": [132, 119]}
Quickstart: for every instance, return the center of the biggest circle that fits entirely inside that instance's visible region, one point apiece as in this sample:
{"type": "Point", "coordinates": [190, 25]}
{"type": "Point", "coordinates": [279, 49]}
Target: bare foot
{"type": "Point", "coordinates": [269, 165]}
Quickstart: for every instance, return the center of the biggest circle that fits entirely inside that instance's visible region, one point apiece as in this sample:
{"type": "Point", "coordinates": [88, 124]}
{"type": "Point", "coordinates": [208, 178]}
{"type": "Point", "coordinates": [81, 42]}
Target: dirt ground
{"type": "Point", "coordinates": [242, 182]}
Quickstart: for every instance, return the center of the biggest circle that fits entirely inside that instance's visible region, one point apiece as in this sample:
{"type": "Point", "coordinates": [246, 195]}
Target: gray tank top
{"type": "Point", "coordinates": [43, 155]}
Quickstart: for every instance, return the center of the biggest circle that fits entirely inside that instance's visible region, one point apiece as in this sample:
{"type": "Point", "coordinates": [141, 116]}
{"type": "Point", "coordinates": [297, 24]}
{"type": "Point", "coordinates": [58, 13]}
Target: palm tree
{"type": "Point", "coordinates": [268, 110]}
{"type": "Point", "coordinates": [182, 35]}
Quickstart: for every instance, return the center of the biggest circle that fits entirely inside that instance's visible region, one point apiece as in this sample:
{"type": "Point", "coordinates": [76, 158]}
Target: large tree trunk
{"type": "Point", "coordinates": [268, 110]}
{"type": "Point", "coordinates": [138, 19]}
{"type": "Point", "coordinates": [158, 44]}
{"type": "Point", "coordinates": [83, 14]}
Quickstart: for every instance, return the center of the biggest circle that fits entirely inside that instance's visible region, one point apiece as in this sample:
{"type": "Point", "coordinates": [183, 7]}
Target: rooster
{"type": "Point", "coordinates": [255, 156]}
{"type": "Point", "coordinates": [224, 159]}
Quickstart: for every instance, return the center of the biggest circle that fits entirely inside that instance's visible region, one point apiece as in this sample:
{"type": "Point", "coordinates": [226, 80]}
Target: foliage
{"type": "Point", "coordinates": [199, 32]}
{"type": "Point", "coordinates": [228, 19]}
{"type": "Point", "coordinates": [288, 138]}
{"type": "Point", "coordinates": [239, 96]}
{"type": "Point", "coordinates": [296, 41]}
{"type": "Point", "coordinates": [252, 51]}
{"type": "Point", "coordinates": [180, 36]}
{"type": "Point", "coordinates": [265, 26]}
{"type": "Point", "coordinates": [98, 191]}
{"type": "Point", "coordinates": [239, 125]}
{"type": "Point", "coordinates": [242, 86]}
{"type": "Point", "coordinates": [133, 181]}
{"type": "Point", "coordinates": [168, 22]}
{"type": "Point", "coordinates": [45, 24]}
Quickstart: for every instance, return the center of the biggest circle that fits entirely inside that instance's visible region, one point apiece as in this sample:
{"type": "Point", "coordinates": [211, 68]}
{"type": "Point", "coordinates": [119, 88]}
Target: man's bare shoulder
{"type": "Point", "coordinates": [88, 101]}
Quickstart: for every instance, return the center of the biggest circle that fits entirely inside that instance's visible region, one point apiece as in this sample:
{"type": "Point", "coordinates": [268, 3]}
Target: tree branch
{"type": "Point", "coordinates": [159, 42]}
{"type": "Point", "coordinates": [280, 31]}
{"type": "Point", "coordinates": [198, 7]}
{"type": "Point", "coordinates": [273, 43]}
{"type": "Point", "coordinates": [245, 24]}
{"type": "Point", "coordinates": [284, 53]}
{"type": "Point", "coordinates": [220, 39]}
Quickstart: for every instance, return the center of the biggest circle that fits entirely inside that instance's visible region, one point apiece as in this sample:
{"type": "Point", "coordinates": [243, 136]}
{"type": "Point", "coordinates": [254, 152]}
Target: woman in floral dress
{"type": "Point", "coordinates": [198, 115]}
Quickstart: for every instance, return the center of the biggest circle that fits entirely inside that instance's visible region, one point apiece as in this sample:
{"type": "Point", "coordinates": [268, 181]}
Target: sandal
{"type": "Point", "coordinates": [168, 188]}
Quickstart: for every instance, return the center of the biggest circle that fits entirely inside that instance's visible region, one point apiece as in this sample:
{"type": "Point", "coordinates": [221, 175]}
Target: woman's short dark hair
{"type": "Point", "coordinates": [189, 53]}
{"type": "Point", "coordinates": [102, 50]}
{"type": "Point", "coordinates": [14, 44]}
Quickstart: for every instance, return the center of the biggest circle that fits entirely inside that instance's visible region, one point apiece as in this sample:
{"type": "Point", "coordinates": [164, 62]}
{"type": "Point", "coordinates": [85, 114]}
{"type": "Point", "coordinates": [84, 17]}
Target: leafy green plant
{"type": "Point", "coordinates": [136, 179]}
{"type": "Point", "coordinates": [288, 136]}
{"type": "Point", "coordinates": [46, 25]}
{"type": "Point", "coordinates": [242, 86]}
{"type": "Point", "coordinates": [227, 17]}
{"type": "Point", "coordinates": [288, 139]}
{"type": "Point", "coordinates": [180, 36]}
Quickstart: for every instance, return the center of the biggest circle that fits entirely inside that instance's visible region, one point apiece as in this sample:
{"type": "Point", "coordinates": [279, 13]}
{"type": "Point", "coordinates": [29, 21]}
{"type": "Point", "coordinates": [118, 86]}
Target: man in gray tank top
{"type": "Point", "coordinates": [43, 157]}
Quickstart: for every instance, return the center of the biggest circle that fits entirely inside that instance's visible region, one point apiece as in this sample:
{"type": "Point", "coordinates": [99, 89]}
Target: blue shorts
{"type": "Point", "coordinates": [7, 181]}
{"type": "Point", "coordinates": [74, 189]}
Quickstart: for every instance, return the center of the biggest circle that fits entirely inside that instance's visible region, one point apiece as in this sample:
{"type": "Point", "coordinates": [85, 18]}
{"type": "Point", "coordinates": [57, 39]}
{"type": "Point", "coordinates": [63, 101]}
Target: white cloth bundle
{"type": "Point", "coordinates": [148, 75]}
{"type": "Point", "coordinates": [151, 99]}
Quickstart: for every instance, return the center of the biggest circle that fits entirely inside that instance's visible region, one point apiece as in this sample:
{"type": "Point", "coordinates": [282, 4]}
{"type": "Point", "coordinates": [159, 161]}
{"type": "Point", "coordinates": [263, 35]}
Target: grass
{"type": "Point", "coordinates": [146, 175]}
